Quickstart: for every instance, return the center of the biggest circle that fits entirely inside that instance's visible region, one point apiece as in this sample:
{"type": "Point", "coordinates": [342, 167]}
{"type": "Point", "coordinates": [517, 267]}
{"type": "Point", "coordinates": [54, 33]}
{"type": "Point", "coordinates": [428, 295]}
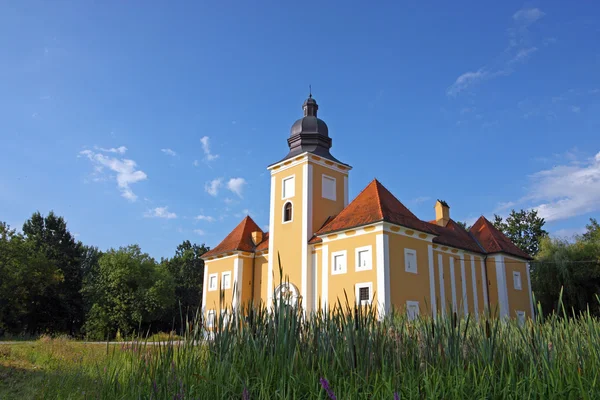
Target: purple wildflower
{"type": "Point", "coordinates": [328, 389]}
{"type": "Point", "coordinates": [245, 394]}
{"type": "Point", "coordinates": [396, 396]}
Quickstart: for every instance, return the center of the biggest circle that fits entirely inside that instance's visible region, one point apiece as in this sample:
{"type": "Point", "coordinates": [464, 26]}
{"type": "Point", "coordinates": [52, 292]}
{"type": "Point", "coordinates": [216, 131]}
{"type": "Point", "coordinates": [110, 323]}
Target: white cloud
{"type": "Point", "coordinates": [229, 201]}
{"type": "Point", "coordinates": [522, 54]}
{"type": "Point", "coordinates": [196, 163]}
{"type": "Point", "coordinates": [213, 186]}
{"type": "Point", "coordinates": [126, 170]}
{"type": "Point", "coordinates": [169, 152]}
{"type": "Point", "coordinates": [566, 191]}
{"type": "Point", "coordinates": [568, 233]}
{"type": "Point", "coordinates": [236, 185]}
{"type": "Point", "coordinates": [206, 148]}
{"type": "Point", "coordinates": [465, 80]}
{"type": "Point", "coordinates": [505, 205]}
{"type": "Point", "coordinates": [160, 212]}
{"type": "Point", "coordinates": [421, 199]}
{"type": "Point", "coordinates": [118, 150]}
{"type": "Point", "coordinates": [527, 16]}
{"type": "Point", "coordinates": [199, 232]}
{"type": "Point", "coordinates": [207, 218]}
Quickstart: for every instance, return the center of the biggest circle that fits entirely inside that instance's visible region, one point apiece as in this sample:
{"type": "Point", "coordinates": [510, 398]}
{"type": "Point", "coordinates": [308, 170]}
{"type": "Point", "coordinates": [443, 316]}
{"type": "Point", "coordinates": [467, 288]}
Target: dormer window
{"type": "Point", "coordinates": [287, 212]}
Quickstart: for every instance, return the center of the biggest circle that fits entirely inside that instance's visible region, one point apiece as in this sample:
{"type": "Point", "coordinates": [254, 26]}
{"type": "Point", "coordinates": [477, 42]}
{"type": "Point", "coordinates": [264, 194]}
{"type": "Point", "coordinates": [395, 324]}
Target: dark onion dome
{"type": "Point", "coordinates": [310, 134]}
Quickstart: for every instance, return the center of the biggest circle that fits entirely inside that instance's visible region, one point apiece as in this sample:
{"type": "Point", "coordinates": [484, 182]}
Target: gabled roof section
{"type": "Point", "coordinates": [264, 245]}
{"type": "Point", "coordinates": [456, 236]}
{"type": "Point", "coordinates": [240, 239]}
{"type": "Point", "coordinates": [494, 241]}
{"type": "Point", "coordinates": [374, 204]}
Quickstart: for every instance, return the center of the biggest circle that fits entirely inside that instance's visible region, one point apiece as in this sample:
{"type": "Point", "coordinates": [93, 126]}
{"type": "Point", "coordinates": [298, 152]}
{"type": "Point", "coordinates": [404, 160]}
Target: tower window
{"type": "Point", "coordinates": [288, 189]}
{"type": "Point", "coordinates": [328, 187]}
{"type": "Point", "coordinates": [287, 212]}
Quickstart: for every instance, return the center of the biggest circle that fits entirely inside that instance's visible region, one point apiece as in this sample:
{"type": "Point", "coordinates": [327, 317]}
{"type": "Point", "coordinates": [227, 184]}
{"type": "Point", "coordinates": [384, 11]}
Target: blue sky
{"type": "Point", "coordinates": [152, 124]}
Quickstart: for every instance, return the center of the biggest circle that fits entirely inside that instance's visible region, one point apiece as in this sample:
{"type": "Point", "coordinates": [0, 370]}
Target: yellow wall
{"type": "Point", "coordinates": [261, 273]}
{"type": "Point", "coordinates": [469, 283]}
{"type": "Point", "coordinates": [481, 285]}
{"type": "Point", "coordinates": [219, 266]}
{"type": "Point", "coordinates": [405, 286]}
{"type": "Point", "coordinates": [336, 284]}
{"type": "Point", "coordinates": [287, 238]}
{"type": "Point", "coordinates": [492, 285]}
{"type": "Point", "coordinates": [323, 208]}
{"type": "Point", "coordinates": [517, 299]}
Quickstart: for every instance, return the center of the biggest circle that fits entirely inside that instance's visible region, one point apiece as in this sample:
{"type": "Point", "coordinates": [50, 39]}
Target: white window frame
{"type": "Point", "coordinates": [345, 267]}
{"type": "Point", "coordinates": [283, 221]}
{"type": "Point", "coordinates": [406, 252]}
{"type": "Point", "coordinates": [517, 279]}
{"type": "Point", "coordinates": [323, 177]}
{"type": "Point", "coordinates": [283, 194]}
{"type": "Point", "coordinates": [409, 304]}
{"type": "Point", "coordinates": [357, 251]}
{"type": "Point", "coordinates": [223, 280]}
{"type": "Point", "coordinates": [521, 317]}
{"type": "Point", "coordinates": [212, 288]}
{"type": "Point", "coordinates": [211, 315]}
{"type": "Point", "coordinates": [224, 316]}
{"type": "Point", "coordinates": [357, 288]}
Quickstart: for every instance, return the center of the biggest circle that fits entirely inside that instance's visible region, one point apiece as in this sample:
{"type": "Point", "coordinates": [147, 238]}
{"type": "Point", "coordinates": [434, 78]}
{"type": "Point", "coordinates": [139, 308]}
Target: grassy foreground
{"type": "Point", "coordinates": [347, 354]}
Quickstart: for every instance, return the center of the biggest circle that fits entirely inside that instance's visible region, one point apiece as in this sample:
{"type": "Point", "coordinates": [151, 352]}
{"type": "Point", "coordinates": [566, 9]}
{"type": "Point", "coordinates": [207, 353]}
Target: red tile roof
{"type": "Point", "coordinates": [375, 203]}
{"type": "Point", "coordinates": [240, 239]}
{"type": "Point", "coordinates": [494, 241]}
{"type": "Point", "coordinates": [456, 236]}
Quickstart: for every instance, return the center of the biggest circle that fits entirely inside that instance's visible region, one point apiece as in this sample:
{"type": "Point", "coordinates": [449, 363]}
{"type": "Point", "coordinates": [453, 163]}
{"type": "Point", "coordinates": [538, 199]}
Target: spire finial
{"type": "Point", "coordinates": [309, 92]}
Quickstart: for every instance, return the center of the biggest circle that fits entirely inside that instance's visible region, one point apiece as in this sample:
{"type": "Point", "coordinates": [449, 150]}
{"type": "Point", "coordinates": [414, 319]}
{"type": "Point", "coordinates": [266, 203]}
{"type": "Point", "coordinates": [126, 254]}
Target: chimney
{"type": "Point", "coordinates": [257, 237]}
{"type": "Point", "coordinates": [442, 213]}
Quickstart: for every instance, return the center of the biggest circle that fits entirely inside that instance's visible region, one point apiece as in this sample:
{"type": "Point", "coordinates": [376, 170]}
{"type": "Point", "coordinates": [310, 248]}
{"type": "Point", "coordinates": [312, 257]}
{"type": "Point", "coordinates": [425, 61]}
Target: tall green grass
{"type": "Point", "coordinates": [257, 354]}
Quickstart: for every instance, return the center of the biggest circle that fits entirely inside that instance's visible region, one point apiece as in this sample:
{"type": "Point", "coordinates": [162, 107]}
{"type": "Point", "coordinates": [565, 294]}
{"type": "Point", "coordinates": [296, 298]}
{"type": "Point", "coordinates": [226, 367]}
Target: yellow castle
{"type": "Point", "coordinates": [373, 249]}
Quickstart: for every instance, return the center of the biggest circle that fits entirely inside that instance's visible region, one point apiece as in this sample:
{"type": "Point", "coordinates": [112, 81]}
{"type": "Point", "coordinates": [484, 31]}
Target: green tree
{"type": "Point", "coordinates": [49, 236]}
{"type": "Point", "coordinates": [464, 225]}
{"type": "Point", "coordinates": [187, 271]}
{"type": "Point", "coordinates": [524, 228]}
{"type": "Point", "coordinates": [571, 266]}
{"type": "Point", "coordinates": [593, 231]}
{"type": "Point", "coordinates": [129, 290]}
{"type": "Point", "coordinates": [28, 279]}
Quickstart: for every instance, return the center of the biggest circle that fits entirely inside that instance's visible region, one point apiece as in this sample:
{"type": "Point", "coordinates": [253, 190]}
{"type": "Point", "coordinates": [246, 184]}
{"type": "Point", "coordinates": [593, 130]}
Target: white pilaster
{"type": "Point", "coordinates": [238, 279]}
{"type": "Point", "coordinates": [204, 289]}
{"type": "Point", "coordinates": [442, 288]}
{"type": "Point", "coordinates": [463, 278]}
{"type": "Point", "coordinates": [475, 296]}
{"type": "Point", "coordinates": [453, 284]}
{"type": "Point", "coordinates": [306, 170]}
{"type": "Point", "coordinates": [272, 252]}
{"type": "Point", "coordinates": [345, 190]}
{"type": "Point", "coordinates": [382, 245]}
{"type": "Point", "coordinates": [431, 281]}
{"type": "Point", "coordinates": [325, 277]}
{"type": "Point", "coordinates": [501, 283]}
{"type": "Point", "coordinates": [530, 293]}
{"type": "Point", "coordinates": [484, 285]}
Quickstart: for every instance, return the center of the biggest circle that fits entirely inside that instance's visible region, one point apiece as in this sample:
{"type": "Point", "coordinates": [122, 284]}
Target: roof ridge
{"type": "Point", "coordinates": [491, 226]}
{"type": "Point", "coordinates": [377, 189]}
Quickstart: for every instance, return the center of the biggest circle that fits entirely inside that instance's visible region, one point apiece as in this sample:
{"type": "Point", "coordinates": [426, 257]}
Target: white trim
{"type": "Point", "coordinates": [345, 190]}
{"type": "Point", "coordinates": [382, 245]}
{"type": "Point", "coordinates": [345, 267]}
{"type": "Point", "coordinates": [223, 280]}
{"type": "Point", "coordinates": [204, 289]}
{"type": "Point", "coordinates": [211, 288]}
{"type": "Point", "coordinates": [283, 221]}
{"type": "Point", "coordinates": [315, 281]}
{"type": "Point", "coordinates": [379, 227]}
{"type": "Point", "coordinates": [283, 196]}
{"type": "Point", "coordinates": [501, 283]}
{"type": "Point", "coordinates": [529, 288]}
{"type": "Point", "coordinates": [453, 284]}
{"type": "Point", "coordinates": [325, 277]}
{"type": "Point", "coordinates": [464, 284]}
{"type": "Point", "coordinates": [442, 283]}
{"type": "Point", "coordinates": [302, 158]}
{"type": "Point", "coordinates": [357, 288]}
{"type": "Point", "coordinates": [410, 303]}
{"type": "Point", "coordinates": [323, 177]}
{"type": "Point", "coordinates": [474, 282]}
{"type": "Point", "coordinates": [484, 285]}
{"type": "Point", "coordinates": [238, 279]}
{"type": "Point", "coordinates": [210, 322]}
{"type": "Point", "coordinates": [270, 287]}
{"type": "Point", "coordinates": [236, 253]}
{"type": "Point", "coordinates": [431, 281]}
{"type": "Point", "coordinates": [305, 234]}
{"type": "Point", "coordinates": [358, 250]}
{"type": "Point", "coordinates": [413, 252]}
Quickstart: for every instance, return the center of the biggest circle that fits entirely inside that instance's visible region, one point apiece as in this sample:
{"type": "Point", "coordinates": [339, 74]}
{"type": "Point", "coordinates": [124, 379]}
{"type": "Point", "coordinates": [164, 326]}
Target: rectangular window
{"type": "Point", "coordinates": [210, 319]}
{"type": "Point", "coordinates": [410, 260]}
{"type": "Point", "coordinates": [363, 258]}
{"type": "Point", "coordinates": [412, 310]}
{"type": "Point", "coordinates": [226, 280]}
{"type": "Point", "coordinates": [517, 280]}
{"type": "Point", "coordinates": [364, 292]}
{"type": "Point", "coordinates": [521, 317]}
{"type": "Point", "coordinates": [338, 262]}
{"type": "Point", "coordinates": [212, 281]}
{"type": "Point", "coordinates": [288, 189]}
{"type": "Point", "coordinates": [328, 187]}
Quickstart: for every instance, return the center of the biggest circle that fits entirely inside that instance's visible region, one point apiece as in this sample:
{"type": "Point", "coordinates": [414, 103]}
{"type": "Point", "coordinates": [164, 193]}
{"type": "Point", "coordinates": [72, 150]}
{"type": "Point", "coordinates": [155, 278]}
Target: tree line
{"type": "Point", "coordinates": [52, 283]}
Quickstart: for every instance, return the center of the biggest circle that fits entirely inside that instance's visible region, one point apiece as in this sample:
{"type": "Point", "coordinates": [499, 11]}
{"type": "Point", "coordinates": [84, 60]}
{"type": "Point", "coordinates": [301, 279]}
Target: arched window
{"type": "Point", "coordinates": [287, 212]}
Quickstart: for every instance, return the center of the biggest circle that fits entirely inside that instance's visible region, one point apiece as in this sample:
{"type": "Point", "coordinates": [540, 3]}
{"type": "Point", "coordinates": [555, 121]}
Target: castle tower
{"type": "Point", "coordinates": [308, 186]}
